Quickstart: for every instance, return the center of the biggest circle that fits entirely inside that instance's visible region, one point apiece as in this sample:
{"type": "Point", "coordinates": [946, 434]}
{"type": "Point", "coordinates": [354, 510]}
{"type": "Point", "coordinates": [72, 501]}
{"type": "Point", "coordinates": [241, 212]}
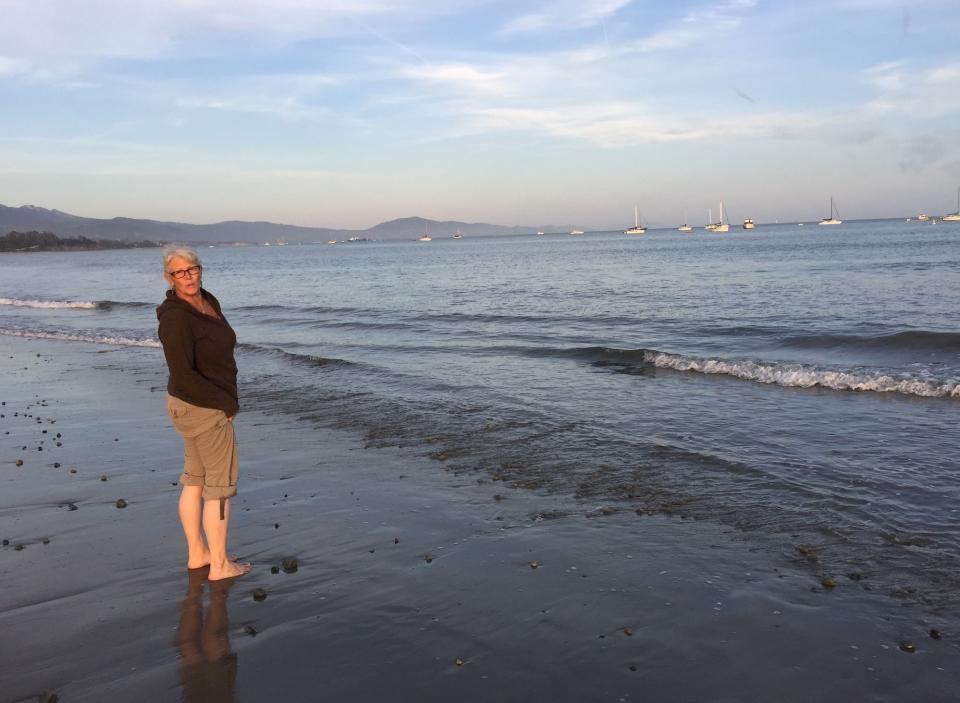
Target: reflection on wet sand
{"type": "Point", "coordinates": [208, 670]}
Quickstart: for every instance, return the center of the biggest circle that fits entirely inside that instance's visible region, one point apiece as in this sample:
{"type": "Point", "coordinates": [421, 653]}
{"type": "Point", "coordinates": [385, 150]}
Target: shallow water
{"type": "Point", "coordinates": [801, 384]}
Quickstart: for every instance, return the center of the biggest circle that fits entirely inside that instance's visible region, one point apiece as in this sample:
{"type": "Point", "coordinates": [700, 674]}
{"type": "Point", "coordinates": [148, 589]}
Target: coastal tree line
{"type": "Point", "coordinates": [48, 241]}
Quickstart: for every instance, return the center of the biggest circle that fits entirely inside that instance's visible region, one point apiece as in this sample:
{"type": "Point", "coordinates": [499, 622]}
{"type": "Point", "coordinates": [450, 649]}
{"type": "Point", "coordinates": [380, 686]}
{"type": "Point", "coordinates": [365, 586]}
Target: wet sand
{"type": "Point", "coordinates": [412, 583]}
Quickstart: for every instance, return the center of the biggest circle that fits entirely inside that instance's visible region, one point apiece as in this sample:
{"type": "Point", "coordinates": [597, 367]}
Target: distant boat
{"type": "Point", "coordinates": [636, 229]}
{"type": "Point", "coordinates": [576, 231]}
{"type": "Point", "coordinates": [921, 216]}
{"type": "Point", "coordinates": [458, 235]}
{"type": "Point", "coordinates": [721, 225]}
{"type": "Point", "coordinates": [833, 219]}
{"type": "Point", "coordinates": [954, 216]}
{"type": "Point", "coordinates": [539, 232]}
{"type": "Point", "coordinates": [331, 241]}
{"type": "Point", "coordinates": [425, 238]}
{"type": "Point", "coordinates": [748, 224]}
{"type": "Point", "coordinates": [684, 227]}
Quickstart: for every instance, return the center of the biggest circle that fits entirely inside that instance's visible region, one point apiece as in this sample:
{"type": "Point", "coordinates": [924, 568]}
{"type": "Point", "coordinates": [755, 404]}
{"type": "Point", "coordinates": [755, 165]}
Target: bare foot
{"type": "Point", "coordinates": [229, 570]}
{"type": "Point", "coordinates": [200, 561]}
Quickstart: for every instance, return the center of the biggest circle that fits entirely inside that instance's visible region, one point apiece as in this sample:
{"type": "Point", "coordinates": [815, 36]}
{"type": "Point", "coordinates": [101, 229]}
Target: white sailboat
{"type": "Point", "coordinates": [954, 216]}
{"type": "Point", "coordinates": [833, 219]}
{"type": "Point", "coordinates": [426, 237]}
{"type": "Point", "coordinates": [636, 229]}
{"type": "Point", "coordinates": [684, 227]}
{"type": "Point", "coordinates": [457, 234]}
{"type": "Point", "coordinates": [721, 225]}
{"type": "Point", "coordinates": [576, 231]}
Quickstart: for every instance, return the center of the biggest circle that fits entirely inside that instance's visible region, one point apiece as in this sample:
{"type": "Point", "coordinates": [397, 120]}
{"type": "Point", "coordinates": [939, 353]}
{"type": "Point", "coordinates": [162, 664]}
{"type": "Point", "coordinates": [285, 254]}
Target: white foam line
{"type": "Point", "coordinates": [73, 337]}
{"type": "Point", "coordinates": [800, 377]}
{"type": "Point", "coordinates": [56, 304]}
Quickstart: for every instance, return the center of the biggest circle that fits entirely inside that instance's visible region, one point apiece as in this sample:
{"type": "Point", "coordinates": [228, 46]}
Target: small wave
{"type": "Point", "coordinates": [54, 304]}
{"type": "Point", "coordinates": [63, 336]}
{"type": "Point", "coordinates": [788, 375]}
{"type": "Point", "coordinates": [798, 376]}
{"type": "Point", "coordinates": [306, 359]}
{"type": "Point", "coordinates": [71, 304]}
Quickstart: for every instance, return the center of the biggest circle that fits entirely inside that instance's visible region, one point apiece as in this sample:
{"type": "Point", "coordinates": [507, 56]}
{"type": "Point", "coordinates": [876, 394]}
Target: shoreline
{"type": "Point", "coordinates": [404, 570]}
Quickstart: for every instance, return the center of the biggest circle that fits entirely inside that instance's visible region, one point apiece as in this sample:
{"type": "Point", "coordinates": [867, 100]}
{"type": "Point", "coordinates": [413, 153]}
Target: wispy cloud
{"type": "Point", "coordinates": [933, 91]}
{"type": "Point", "coordinates": [710, 22]}
{"type": "Point", "coordinates": [563, 15]}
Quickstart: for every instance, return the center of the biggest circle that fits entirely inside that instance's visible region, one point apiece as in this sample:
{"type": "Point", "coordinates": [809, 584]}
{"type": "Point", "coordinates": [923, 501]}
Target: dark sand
{"type": "Point", "coordinates": [620, 608]}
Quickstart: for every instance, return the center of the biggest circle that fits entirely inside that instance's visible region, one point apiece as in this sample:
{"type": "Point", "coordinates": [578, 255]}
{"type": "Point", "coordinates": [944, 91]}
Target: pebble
{"type": "Point", "coordinates": [274, 569]}
{"type": "Point", "coordinates": [121, 503]}
{"type": "Point", "coordinates": [250, 630]}
{"type": "Point", "coordinates": [18, 548]}
{"type": "Point", "coordinates": [935, 634]}
{"type": "Point", "coordinates": [535, 564]}
{"type": "Point", "coordinates": [103, 477]}
{"type": "Point", "coordinates": [828, 582]}
{"type": "Point", "coordinates": [458, 661]}
{"type": "Point", "coordinates": [6, 542]}
{"type": "Point", "coordinates": [290, 565]}
{"type": "Point", "coordinates": [628, 632]}
{"type": "Point", "coordinates": [276, 525]}
{"type": "Point", "coordinates": [259, 595]}
{"type": "Point", "coordinates": [71, 506]}
{"type": "Point", "coordinates": [427, 558]}
{"type": "Point", "coordinates": [19, 462]}
{"type": "Point", "coordinates": [46, 540]}
{"type": "Point", "coordinates": [396, 540]}
{"type": "Point", "coordinates": [56, 464]}
{"type": "Point", "coordinates": [73, 471]}
{"type": "Point", "coordinates": [906, 646]}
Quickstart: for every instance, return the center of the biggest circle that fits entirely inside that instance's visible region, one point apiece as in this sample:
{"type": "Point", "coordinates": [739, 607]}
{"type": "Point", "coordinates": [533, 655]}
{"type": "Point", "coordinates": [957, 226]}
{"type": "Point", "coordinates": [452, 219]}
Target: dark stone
{"type": "Point", "coordinates": [103, 477]}
{"type": "Point", "coordinates": [632, 667]}
{"type": "Point", "coordinates": [73, 471]}
{"type": "Point", "coordinates": [18, 548]}
{"type": "Point", "coordinates": [427, 558]}
{"type": "Point", "coordinates": [250, 630]}
{"type": "Point", "coordinates": [498, 497]}
{"type": "Point", "coordinates": [59, 444]}
{"type": "Point", "coordinates": [43, 431]}
{"type": "Point", "coordinates": [39, 449]}
{"type": "Point", "coordinates": [274, 569]}
{"type": "Point", "coordinates": [396, 540]}
{"type": "Point", "coordinates": [855, 576]}
{"type": "Point", "coordinates": [56, 464]}
{"type": "Point", "coordinates": [934, 633]}
{"type": "Point", "coordinates": [628, 632]}
{"type": "Point", "coordinates": [121, 503]}
{"type": "Point", "coordinates": [276, 525]}
{"type": "Point", "coordinates": [6, 542]}
{"type": "Point", "coordinates": [828, 582]}
{"type": "Point", "coordinates": [290, 565]}
{"type": "Point", "coordinates": [116, 439]}
{"type": "Point", "coordinates": [259, 595]}
{"type": "Point", "coordinates": [58, 435]}
{"type": "Point", "coordinates": [46, 540]}
{"type": "Point", "coordinates": [71, 507]}
{"type": "Point", "coordinates": [906, 646]}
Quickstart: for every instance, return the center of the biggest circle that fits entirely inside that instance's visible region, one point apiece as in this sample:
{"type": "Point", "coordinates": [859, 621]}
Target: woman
{"type": "Point", "coordinates": [202, 401]}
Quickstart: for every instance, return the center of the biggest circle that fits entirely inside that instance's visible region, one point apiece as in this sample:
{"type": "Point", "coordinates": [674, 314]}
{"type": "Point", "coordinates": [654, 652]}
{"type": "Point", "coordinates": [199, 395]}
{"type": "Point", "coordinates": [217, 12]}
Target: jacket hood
{"type": "Point", "coordinates": [172, 302]}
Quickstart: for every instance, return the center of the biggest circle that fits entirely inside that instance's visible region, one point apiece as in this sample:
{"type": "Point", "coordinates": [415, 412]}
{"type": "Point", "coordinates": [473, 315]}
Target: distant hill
{"type": "Point", "coordinates": [30, 217]}
{"type": "Point", "coordinates": [47, 241]}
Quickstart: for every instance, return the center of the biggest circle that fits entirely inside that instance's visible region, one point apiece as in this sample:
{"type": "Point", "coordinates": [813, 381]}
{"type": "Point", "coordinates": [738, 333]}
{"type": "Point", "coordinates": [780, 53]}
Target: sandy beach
{"type": "Point", "coordinates": [412, 582]}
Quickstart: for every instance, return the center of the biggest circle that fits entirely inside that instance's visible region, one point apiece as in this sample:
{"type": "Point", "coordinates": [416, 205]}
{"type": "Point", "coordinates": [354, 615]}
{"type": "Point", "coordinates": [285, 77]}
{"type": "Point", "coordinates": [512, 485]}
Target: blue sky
{"type": "Point", "coordinates": [345, 114]}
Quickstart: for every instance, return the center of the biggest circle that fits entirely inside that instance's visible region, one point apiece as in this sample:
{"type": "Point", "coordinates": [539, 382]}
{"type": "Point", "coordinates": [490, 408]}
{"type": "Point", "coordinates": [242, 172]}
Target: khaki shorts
{"type": "Point", "coordinates": [209, 448]}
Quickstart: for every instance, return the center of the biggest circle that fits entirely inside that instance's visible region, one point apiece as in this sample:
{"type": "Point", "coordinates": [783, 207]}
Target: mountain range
{"type": "Point", "coordinates": [30, 217]}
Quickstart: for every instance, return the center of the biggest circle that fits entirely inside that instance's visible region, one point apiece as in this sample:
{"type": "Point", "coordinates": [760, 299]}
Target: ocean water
{"type": "Point", "coordinates": [800, 384]}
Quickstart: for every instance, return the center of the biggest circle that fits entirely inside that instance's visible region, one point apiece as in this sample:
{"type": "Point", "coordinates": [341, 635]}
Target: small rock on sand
{"type": "Point", "coordinates": [259, 595]}
{"type": "Point", "coordinates": [290, 565]}
{"type": "Point", "coordinates": [56, 464]}
{"type": "Point", "coordinates": [427, 558]}
{"type": "Point", "coordinates": [934, 633]}
{"type": "Point", "coordinates": [906, 646]}
{"type": "Point", "coordinates": [19, 462]}
{"type": "Point", "coordinates": [103, 477]}
{"type": "Point", "coordinates": [250, 630]}
{"type": "Point", "coordinates": [274, 569]}
{"type": "Point", "coordinates": [121, 503]}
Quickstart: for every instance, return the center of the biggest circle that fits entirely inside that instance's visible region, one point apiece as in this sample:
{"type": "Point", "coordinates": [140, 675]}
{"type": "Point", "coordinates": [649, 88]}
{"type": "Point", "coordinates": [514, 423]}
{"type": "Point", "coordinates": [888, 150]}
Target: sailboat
{"type": "Point", "coordinates": [457, 235]}
{"type": "Point", "coordinates": [954, 216]}
{"type": "Point", "coordinates": [636, 229]}
{"type": "Point", "coordinates": [721, 225]}
{"type": "Point", "coordinates": [832, 220]}
{"type": "Point", "coordinates": [684, 227]}
{"type": "Point", "coordinates": [426, 237]}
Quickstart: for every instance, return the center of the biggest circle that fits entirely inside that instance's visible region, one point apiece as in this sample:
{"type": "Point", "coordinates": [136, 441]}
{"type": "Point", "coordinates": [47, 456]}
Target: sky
{"type": "Point", "coordinates": [348, 113]}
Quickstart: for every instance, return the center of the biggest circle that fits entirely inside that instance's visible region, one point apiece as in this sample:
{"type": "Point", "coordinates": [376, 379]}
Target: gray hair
{"type": "Point", "coordinates": [184, 252]}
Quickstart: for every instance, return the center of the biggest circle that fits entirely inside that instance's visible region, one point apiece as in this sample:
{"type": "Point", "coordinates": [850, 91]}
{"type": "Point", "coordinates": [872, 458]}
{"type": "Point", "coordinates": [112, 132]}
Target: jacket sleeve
{"type": "Point", "coordinates": [177, 340]}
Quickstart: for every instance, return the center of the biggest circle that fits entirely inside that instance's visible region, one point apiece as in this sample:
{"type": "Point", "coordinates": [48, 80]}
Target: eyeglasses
{"type": "Point", "coordinates": [192, 271]}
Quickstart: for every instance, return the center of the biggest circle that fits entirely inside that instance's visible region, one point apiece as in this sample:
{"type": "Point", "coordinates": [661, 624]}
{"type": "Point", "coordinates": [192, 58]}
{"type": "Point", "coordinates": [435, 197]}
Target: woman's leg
{"type": "Point", "coordinates": [191, 505]}
{"type": "Point", "coordinates": [215, 527]}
